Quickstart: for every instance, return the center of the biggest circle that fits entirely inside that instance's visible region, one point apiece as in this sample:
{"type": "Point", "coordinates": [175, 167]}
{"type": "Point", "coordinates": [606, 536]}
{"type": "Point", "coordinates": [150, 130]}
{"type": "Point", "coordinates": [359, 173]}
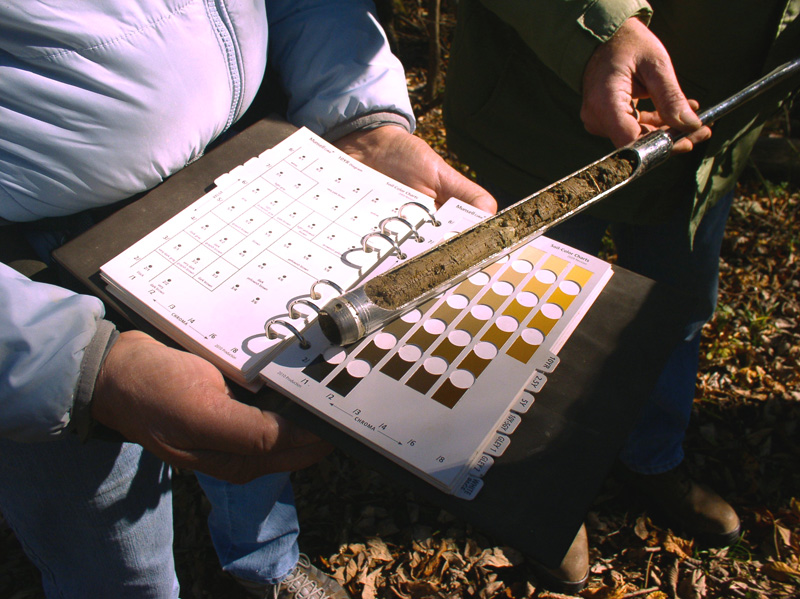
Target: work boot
{"type": "Point", "coordinates": [572, 573]}
{"type": "Point", "coordinates": [693, 507]}
{"type": "Point", "coordinates": [304, 582]}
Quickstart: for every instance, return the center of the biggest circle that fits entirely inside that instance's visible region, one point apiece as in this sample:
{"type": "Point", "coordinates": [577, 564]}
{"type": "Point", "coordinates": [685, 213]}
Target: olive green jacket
{"type": "Point", "coordinates": [512, 100]}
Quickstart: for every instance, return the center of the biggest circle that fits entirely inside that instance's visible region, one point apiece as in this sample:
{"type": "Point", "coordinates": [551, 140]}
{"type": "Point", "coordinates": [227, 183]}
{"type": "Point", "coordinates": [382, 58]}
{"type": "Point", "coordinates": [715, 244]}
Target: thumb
{"type": "Point", "coordinates": [453, 184]}
{"type": "Point", "coordinates": [234, 427]}
{"type": "Point", "coordinates": [668, 98]}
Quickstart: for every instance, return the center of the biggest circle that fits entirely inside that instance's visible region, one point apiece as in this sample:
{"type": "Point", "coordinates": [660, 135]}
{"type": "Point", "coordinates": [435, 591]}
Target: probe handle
{"type": "Point", "coordinates": [710, 115]}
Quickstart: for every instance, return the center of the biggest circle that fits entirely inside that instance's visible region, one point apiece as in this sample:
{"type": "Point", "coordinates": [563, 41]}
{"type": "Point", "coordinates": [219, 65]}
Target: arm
{"type": "Point", "coordinates": [634, 64]}
{"type": "Point", "coordinates": [178, 406]}
{"type": "Point", "coordinates": [336, 66]}
{"type": "Point", "coordinates": [344, 82]}
{"type": "Point", "coordinates": [61, 365]}
{"type": "Point", "coordinates": [605, 52]}
{"type": "Point", "coordinates": [565, 34]}
{"type": "Point", "coordinates": [45, 332]}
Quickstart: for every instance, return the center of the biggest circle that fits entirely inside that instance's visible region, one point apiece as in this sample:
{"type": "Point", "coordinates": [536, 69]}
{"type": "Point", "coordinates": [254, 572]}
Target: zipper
{"type": "Point", "coordinates": [221, 22]}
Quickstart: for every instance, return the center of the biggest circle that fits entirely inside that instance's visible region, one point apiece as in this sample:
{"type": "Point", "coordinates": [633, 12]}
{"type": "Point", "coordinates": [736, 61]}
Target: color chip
{"type": "Point", "coordinates": [325, 363]}
{"type": "Point", "coordinates": [479, 358]}
{"type": "Point", "coordinates": [580, 275]}
{"type": "Point", "coordinates": [377, 348]}
{"type": "Point", "coordinates": [531, 254]}
{"type": "Point", "coordinates": [554, 264]}
{"type": "Point", "coordinates": [350, 376]}
{"type": "Point", "coordinates": [453, 388]}
{"type": "Point", "coordinates": [424, 378]}
{"type": "Point", "coordinates": [452, 345]}
{"type": "Point", "coordinates": [501, 330]}
{"type": "Point", "coordinates": [400, 363]}
{"type": "Point", "coordinates": [526, 345]}
{"type": "Point", "coordinates": [561, 299]}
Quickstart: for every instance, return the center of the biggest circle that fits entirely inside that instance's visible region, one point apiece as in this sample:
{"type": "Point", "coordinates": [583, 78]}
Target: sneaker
{"type": "Point", "coordinates": [572, 573]}
{"type": "Point", "coordinates": [304, 582]}
{"type": "Point", "coordinates": [689, 505]}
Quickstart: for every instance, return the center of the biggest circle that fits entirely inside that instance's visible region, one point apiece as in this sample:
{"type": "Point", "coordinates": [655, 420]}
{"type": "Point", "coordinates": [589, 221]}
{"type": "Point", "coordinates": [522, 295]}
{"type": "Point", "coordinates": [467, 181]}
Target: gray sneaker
{"type": "Point", "coordinates": [304, 582]}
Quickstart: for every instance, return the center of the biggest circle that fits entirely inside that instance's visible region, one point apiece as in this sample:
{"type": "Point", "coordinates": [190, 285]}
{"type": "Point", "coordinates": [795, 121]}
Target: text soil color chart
{"type": "Point", "coordinates": [454, 370]}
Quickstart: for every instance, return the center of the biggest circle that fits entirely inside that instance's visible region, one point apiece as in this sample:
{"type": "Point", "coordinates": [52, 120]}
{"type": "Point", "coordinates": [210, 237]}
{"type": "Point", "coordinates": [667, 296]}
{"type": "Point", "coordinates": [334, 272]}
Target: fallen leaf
{"type": "Point", "coordinates": [682, 548]}
{"type": "Point", "coordinates": [781, 571]}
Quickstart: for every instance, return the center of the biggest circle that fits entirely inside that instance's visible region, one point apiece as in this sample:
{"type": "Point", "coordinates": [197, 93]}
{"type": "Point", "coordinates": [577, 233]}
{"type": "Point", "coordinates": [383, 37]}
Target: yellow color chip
{"type": "Point", "coordinates": [496, 336]}
{"type": "Point", "coordinates": [554, 264]}
{"type": "Point", "coordinates": [561, 299]}
{"type": "Point", "coordinates": [580, 275]}
{"type": "Point", "coordinates": [541, 322]}
{"type": "Point", "coordinates": [522, 351]}
{"type": "Point", "coordinates": [517, 310]}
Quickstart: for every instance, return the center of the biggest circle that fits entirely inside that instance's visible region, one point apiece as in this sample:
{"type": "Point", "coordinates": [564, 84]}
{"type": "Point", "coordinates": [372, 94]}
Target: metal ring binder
{"type": "Point", "coordinates": [431, 217]}
{"type": "Point", "coordinates": [273, 335]}
{"type": "Point", "coordinates": [316, 296]}
{"type": "Point", "coordinates": [413, 231]}
{"type": "Point", "coordinates": [368, 248]}
{"type": "Point", "coordinates": [293, 313]}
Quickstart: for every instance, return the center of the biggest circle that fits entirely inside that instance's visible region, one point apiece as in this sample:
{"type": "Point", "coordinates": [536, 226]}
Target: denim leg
{"type": "Point", "coordinates": [662, 252]}
{"type": "Point", "coordinates": [254, 526]}
{"type": "Point", "coordinates": [95, 517]}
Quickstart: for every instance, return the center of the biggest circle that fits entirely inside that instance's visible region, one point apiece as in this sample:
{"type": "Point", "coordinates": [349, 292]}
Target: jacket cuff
{"type": "Point", "coordinates": [600, 21]}
{"type": "Point", "coordinates": [365, 122]}
{"type": "Point", "coordinates": [81, 421]}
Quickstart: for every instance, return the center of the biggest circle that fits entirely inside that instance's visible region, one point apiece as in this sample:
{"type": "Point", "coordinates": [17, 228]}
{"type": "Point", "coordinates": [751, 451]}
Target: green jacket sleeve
{"type": "Point", "coordinates": [564, 33]}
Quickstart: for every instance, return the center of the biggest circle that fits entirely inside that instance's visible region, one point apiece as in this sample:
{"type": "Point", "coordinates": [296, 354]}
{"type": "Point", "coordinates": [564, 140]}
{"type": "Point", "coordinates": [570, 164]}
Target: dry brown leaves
{"type": "Point", "coordinates": [433, 568]}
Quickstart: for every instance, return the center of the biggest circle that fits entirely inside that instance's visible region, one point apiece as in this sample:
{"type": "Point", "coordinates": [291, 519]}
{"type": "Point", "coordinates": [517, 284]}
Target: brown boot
{"type": "Point", "coordinates": [572, 573]}
{"type": "Point", "coordinates": [688, 504]}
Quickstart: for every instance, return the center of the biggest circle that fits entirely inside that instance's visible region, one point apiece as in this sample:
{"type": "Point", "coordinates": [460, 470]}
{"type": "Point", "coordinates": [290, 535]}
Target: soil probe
{"type": "Point", "coordinates": [371, 305]}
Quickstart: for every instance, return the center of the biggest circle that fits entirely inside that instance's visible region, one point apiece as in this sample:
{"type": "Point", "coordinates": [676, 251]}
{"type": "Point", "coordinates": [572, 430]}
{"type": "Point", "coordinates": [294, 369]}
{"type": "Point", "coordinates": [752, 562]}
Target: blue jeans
{"type": "Point", "coordinates": [661, 252]}
{"type": "Point", "coordinates": [96, 519]}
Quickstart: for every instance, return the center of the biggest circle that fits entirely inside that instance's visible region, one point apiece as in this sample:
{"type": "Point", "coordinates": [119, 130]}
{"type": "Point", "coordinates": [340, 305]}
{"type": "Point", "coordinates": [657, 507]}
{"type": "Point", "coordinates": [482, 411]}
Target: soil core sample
{"type": "Point", "coordinates": [410, 280]}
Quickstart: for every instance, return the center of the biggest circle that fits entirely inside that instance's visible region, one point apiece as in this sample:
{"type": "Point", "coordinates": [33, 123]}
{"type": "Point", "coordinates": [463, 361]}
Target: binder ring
{"type": "Point", "coordinates": [431, 217]}
{"type": "Point", "coordinates": [316, 296]}
{"type": "Point", "coordinates": [294, 313]}
{"type": "Point", "coordinates": [368, 248]}
{"type": "Point", "coordinates": [271, 334]}
{"type": "Point", "coordinates": [413, 231]}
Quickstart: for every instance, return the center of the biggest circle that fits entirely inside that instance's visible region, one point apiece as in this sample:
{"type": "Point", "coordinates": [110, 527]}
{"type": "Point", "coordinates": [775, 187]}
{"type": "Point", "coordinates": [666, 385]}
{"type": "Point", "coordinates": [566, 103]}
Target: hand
{"type": "Point", "coordinates": [634, 64]}
{"type": "Point", "coordinates": [178, 406]}
{"type": "Point", "coordinates": [406, 158]}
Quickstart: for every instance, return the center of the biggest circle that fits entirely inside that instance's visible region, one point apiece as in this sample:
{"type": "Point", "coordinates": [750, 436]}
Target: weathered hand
{"type": "Point", "coordinates": [178, 406]}
{"type": "Point", "coordinates": [634, 64]}
{"type": "Point", "coordinates": [405, 157]}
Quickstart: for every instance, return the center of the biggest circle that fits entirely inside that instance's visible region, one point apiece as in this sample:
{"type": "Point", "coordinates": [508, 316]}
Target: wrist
{"type": "Point", "coordinates": [368, 122]}
{"type": "Point", "coordinates": [81, 421]}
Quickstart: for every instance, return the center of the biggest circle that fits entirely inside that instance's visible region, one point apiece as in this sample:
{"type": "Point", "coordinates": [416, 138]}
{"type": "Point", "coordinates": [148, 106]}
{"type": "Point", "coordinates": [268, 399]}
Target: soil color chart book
{"type": "Point", "coordinates": [242, 268]}
{"type": "Point", "coordinates": [441, 389]}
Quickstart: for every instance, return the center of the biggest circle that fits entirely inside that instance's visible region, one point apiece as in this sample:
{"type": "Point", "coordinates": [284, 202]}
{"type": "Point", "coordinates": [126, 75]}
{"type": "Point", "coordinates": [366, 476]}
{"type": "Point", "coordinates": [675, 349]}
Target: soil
{"type": "Point", "coordinates": [416, 277]}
